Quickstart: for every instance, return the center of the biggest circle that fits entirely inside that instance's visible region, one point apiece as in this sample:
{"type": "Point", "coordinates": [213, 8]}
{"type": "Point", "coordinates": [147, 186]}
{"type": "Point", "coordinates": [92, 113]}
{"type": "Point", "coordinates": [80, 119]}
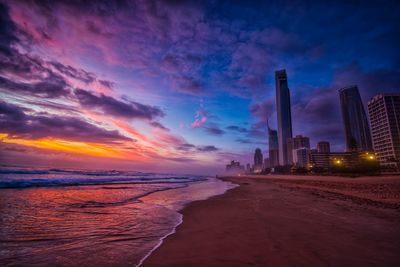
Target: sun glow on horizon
{"type": "Point", "coordinates": [91, 149]}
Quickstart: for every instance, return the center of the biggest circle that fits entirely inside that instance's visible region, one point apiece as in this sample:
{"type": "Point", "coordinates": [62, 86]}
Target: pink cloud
{"type": "Point", "coordinates": [200, 119]}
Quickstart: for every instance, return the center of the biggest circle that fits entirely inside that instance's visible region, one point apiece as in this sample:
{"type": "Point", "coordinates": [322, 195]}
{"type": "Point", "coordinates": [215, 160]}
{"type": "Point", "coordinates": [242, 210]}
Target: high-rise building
{"type": "Point", "coordinates": [284, 115]}
{"type": "Point", "coordinates": [258, 160]}
{"type": "Point", "coordinates": [295, 143]}
{"type": "Point", "coordinates": [323, 147]}
{"type": "Point", "coordinates": [273, 150]}
{"type": "Point", "coordinates": [384, 113]}
{"type": "Point", "coordinates": [358, 137]}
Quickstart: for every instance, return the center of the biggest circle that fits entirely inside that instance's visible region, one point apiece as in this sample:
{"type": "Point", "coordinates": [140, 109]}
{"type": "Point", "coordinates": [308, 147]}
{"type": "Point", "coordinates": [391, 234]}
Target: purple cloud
{"type": "Point", "coordinates": [237, 129]}
{"type": "Point", "coordinates": [207, 148]}
{"type": "Point", "coordinates": [15, 122]}
{"type": "Point", "coordinates": [185, 147]}
{"type": "Point", "coordinates": [77, 74]}
{"type": "Point", "coordinates": [113, 107]}
{"type": "Point", "coordinates": [52, 87]}
{"type": "Point", "coordinates": [192, 148]}
{"type": "Point", "coordinates": [214, 130]}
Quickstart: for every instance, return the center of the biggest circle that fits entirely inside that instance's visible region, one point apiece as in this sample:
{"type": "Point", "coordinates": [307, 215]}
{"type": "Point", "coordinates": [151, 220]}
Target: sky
{"type": "Point", "coordinates": [181, 86]}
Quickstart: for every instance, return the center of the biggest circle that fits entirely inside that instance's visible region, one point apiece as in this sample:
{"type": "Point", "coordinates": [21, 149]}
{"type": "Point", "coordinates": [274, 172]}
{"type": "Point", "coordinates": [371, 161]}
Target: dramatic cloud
{"type": "Point", "coordinates": [78, 74]}
{"type": "Point", "coordinates": [52, 87]}
{"type": "Point", "coordinates": [113, 107]}
{"type": "Point", "coordinates": [15, 122]}
{"type": "Point", "coordinates": [167, 56]}
{"type": "Point", "coordinates": [7, 30]}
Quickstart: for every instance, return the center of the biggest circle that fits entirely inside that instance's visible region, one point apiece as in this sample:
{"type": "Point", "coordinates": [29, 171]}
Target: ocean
{"type": "Point", "coordinates": [62, 217]}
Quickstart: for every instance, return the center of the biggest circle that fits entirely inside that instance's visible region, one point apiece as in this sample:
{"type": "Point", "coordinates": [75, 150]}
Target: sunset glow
{"type": "Point", "coordinates": [177, 85]}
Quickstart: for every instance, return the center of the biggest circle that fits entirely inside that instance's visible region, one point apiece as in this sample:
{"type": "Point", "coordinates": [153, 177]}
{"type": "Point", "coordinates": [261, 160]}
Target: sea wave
{"type": "Point", "coordinates": [22, 178]}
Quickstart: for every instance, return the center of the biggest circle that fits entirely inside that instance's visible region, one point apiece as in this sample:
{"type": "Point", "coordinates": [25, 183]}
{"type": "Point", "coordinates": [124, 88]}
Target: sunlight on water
{"type": "Point", "coordinates": [112, 223]}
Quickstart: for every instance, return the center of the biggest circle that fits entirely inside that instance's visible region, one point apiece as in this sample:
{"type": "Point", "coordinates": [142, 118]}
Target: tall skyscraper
{"type": "Point", "coordinates": [273, 150]}
{"type": "Point", "coordinates": [258, 160]}
{"type": "Point", "coordinates": [355, 121]}
{"type": "Point", "coordinates": [295, 143]}
{"type": "Point", "coordinates": [323, 147]}
{"type": "Point", "coordinates": [284, 115]}
{"type": "Point", "coordinates": [384, 114]}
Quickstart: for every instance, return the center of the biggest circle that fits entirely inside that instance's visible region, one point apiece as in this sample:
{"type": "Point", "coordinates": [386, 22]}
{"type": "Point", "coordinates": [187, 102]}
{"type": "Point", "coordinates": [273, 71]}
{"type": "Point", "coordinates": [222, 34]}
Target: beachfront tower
{"type": "Point", "coordinates": [358, 136]}
{"type": "Point", "coordinates": [284, 115]}
{"type": "Point", "coordinates": [384, 114]}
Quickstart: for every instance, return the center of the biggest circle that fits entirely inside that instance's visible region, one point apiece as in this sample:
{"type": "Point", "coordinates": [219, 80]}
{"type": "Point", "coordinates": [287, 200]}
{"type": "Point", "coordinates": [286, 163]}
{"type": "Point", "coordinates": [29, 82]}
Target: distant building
{"type": "Point", "coordinates": [248, 168]}
{"type": "Point", "coordinates": [343, 159]}
{"type": "Point", "coordinates": [384, 113]}
{"type": "Point", "coordinates": [301, 157]}
{"type": "Point", "coordinates": [320, 160]}
{"type": "Point", "coordinates": [323, 147]}
{"type": "Point", "coordinates": [234, 167]}
{"type": "Point", "coordinates": [273, 150]}
{"type": "Point", "coordinates": [358, 137]}
{"type": "Point", "coordinates": [284, 115]}
{"type": "Point", "coordinates": [295, 143]}
{"type": "Point", "coordinates": [328, 160]}
{"type": "Point", "coordinates": [258, 160]}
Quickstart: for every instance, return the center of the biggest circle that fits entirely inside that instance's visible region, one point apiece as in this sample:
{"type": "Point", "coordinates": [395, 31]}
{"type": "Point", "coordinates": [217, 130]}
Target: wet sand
{"type": "Point", "coordinates": [290, 221]}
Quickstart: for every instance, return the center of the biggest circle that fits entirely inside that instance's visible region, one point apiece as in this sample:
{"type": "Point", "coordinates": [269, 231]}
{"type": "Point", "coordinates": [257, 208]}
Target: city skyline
{"type": "Point", "coordinates": [164, 86]}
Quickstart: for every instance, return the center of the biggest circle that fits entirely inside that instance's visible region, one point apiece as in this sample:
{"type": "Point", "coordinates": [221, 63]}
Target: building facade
{"type": "Point", "coordinates": [295, 143]}
{"type": "Point", "coordinates": [284, 115]}
{"type": "Point", "coordinates": [358, 136]}
{"type": "Point", "coordinates": [384, 113]}
{"type": "Point", "coordinates": [323, 147]}
{"type": "Point", "coordinates": [273, 150]}
{"type": "Point", "coordinates": [320, 160]}
{"type": "Point", "coordinates": [301, 157]}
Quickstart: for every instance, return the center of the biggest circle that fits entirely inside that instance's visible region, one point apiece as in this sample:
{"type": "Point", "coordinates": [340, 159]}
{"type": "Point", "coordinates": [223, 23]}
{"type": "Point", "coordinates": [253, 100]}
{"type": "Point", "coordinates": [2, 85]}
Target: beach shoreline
{"type": "Point", "coordinates": [289, 221]}
{"type": "Point", "coordinates": [179, 207]}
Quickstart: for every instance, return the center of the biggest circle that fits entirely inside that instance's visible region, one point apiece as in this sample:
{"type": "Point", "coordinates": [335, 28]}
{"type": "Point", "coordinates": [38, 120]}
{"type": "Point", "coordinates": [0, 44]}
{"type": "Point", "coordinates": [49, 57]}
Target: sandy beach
{"type": "Point", "coordinates": [290, 221]}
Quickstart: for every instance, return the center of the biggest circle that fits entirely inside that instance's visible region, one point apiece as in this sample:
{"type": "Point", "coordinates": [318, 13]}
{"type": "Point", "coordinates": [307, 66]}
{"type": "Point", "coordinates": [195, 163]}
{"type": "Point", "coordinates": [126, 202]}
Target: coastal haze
{"type": "Point", "coordinates": [199, 133]}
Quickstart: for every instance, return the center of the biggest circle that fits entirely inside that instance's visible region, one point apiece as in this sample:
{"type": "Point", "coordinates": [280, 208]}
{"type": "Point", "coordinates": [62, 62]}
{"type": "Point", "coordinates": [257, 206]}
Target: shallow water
{"type": "Point", "coordinates": [59, 218]}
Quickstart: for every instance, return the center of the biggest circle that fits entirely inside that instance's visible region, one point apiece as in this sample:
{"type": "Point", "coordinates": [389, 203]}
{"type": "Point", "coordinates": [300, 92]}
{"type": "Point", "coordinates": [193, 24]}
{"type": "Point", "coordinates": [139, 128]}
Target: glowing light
{"type": "Point", "coordinates": [92, 149]}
